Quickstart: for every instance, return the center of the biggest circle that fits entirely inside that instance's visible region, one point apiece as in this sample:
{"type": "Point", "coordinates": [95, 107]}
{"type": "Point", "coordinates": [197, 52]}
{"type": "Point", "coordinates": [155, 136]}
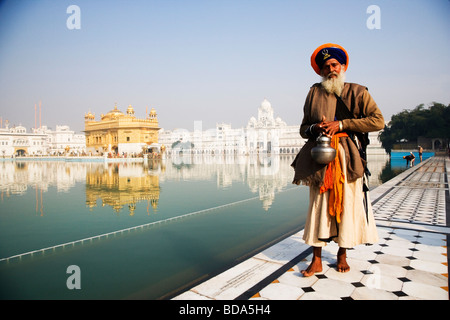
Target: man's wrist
{"type": "Point", "coordinates": [311, 132]}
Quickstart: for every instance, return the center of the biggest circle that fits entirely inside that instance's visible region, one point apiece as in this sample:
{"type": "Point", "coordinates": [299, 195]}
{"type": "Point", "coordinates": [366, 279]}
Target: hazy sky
{"type": "Point", "coordinates": [212, 60]}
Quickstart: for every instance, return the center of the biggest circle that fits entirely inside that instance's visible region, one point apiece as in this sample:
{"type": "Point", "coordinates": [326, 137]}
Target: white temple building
{"type": "Point", "coordinates": [62, 140]}
{"type": "Point", "coordinates": [264, 134]}
{"type": "Point", "coordinates": [16, 141]}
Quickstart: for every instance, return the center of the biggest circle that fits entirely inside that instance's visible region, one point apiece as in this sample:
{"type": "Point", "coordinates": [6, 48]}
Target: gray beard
{"type": "Point", "coordinates": [334, 85]}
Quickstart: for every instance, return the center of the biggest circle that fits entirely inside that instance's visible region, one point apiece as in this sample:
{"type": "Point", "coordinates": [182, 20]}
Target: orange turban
{"type": "Point", "coordinates": [328, 51]}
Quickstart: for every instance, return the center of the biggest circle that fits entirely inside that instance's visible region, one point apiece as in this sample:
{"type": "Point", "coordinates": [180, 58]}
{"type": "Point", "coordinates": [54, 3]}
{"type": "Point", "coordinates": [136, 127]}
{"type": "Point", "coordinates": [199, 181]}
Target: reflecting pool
{"type": "Point", "coordinates": [140, 230]}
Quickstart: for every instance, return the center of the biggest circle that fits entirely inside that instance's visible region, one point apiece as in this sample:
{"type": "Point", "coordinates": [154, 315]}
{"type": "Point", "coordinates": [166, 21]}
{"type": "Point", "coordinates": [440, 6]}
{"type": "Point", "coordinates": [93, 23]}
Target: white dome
{"type": "Point", "coordinates": [265, 105]}
{"type": "Point", "coordinates": [280, 122]}
{"type": "Point", "coordinates": [252, 122]}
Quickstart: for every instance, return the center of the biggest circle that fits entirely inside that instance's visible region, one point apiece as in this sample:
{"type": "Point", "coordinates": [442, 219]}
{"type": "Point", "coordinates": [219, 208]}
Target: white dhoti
{"type": "Point", "coordinates": [356, 227]}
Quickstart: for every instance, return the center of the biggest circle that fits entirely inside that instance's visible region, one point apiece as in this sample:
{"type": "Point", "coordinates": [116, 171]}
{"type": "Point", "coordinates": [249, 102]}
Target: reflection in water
{"type": "Point", "coordinates": [120, 185]}
{"type": "Point", "coordinates": [39, 202]}
{"type": "Point", "coordinates": [123, 185]}
{"type": "Point", "coordinates": [376, 164]}
{"type": "Point", "coordinates": [245, 203]}
{"type": "Point", "coordinates": [390, 171]}
{"type": "Point", "coordinates": [210, 213]}
{"type": "Point", "coordinates": [16, 176]}
{"type": "Point", "coordinates": [264, 175]}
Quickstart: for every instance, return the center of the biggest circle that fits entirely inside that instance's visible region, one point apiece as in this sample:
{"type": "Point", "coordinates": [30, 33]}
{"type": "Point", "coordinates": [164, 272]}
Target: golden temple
{"type": "Point", "coordinates": [118, 190]}
{"type": "Point", "coordinates": [118, 133]}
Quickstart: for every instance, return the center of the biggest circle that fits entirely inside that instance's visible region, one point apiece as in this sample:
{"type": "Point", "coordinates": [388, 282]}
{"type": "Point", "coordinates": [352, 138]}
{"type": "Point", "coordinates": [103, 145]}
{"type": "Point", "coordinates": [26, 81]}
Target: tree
{"type": "Point", "coordinates": [408, 125]}
{"type": "Point", "coordinates": [387, 139]}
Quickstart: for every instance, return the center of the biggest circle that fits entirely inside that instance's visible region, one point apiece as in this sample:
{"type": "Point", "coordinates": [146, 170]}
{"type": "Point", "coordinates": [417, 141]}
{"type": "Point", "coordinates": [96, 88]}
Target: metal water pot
{"type": "Point", "coordinates": [323, 153]}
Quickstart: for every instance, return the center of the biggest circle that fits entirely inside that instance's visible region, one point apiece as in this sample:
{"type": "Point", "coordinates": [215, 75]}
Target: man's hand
{"type": "Point", "coordinates": [328, 128]}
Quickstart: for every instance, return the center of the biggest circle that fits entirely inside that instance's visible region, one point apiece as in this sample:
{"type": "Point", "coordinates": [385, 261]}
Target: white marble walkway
{"type": "Point", "coordinates": [409, 262]}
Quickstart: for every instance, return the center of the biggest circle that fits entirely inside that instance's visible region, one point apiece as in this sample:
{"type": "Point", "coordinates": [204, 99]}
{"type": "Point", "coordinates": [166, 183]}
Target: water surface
{"type": "Point", "coordinates": [142, 230]}
{"type": "Point", "coordinates": [228, 208]}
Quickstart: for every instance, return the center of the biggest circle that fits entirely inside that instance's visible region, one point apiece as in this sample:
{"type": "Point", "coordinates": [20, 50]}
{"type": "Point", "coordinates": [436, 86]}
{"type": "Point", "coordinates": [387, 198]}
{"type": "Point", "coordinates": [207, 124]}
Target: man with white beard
{"type": "Point", "coordinates": [339, 207]}
{"type": "Point", "coordinates": [334, 81]}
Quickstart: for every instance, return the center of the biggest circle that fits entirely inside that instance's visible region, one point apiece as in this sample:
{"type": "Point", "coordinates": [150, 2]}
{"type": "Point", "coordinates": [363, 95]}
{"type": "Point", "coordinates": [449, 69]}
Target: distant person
{"type": "Point", "coordinates": [409, 159]}
{"type": "Point", "coordinates": [339, 209]}
{"type": "Point", "coordinates": [420, 153]}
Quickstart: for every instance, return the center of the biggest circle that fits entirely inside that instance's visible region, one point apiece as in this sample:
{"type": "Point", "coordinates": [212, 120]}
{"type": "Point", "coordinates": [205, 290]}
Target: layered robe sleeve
{"type": "Point", "coordinates": [319, 103]}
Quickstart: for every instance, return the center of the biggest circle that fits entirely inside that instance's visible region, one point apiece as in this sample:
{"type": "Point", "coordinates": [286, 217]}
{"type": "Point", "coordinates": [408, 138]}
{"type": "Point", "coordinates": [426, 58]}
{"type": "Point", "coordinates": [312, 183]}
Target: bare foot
{"type": "Point", "coordinates": [315, 266]}
{"type": "Point", "coordinates": [342, 265]}
{"type": "Point", "coordinates": [316, 263]}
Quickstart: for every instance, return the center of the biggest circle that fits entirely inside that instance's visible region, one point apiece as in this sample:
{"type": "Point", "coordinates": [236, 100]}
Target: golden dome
{"type": "Point", "coordinates": [130, 110]}
{"type": "Point", "coordinates": [89, 116]}
{"type": "Point", "coordinates": [113, 114]}
{"type": "Point", "coordinates": [152, 116]}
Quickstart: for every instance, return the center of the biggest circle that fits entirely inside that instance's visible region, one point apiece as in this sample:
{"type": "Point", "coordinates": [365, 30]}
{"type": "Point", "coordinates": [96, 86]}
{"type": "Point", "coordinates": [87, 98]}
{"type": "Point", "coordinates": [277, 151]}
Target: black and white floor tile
{"type": "Point", "coordinates": [410, 261]}
{"type": "Point", "coordinates": [405, 264]}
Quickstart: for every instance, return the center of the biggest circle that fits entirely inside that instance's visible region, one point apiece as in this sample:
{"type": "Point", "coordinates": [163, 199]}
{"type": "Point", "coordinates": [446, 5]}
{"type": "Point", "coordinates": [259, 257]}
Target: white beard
{"type": "Point", "coordinates": [334, 85]}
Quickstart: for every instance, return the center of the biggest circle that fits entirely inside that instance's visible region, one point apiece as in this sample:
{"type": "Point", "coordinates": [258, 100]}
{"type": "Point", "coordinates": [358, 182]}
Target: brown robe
{"type": "Point", "coordinates": [367, 118]}
{"type": "Point", "coordinates": [357, 226]}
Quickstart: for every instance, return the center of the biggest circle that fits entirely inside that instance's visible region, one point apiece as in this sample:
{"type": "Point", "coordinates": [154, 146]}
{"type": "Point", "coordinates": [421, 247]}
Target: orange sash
{"type": "Point", "coordinates": [334, 178]}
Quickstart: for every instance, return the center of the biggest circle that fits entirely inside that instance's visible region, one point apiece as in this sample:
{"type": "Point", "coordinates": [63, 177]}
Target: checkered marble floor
{"type": "Point", "coordinates": [405, 264]}
{"type": "Point", "coordinates": [410, 261]}
{"type": "Point", "coordinates": [418, 198]}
